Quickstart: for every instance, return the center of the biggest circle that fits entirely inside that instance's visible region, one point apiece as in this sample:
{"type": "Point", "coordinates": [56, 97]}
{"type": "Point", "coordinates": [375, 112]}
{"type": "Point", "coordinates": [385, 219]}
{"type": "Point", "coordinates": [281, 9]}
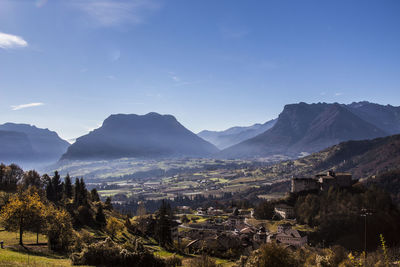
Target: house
{"type": "Point", "coordinates": [261, 235]}
{"type": "Point", "coordinates": [201, 211]}
{"type": "Point", "coordinates": [288, 236]}
{"type": "Point", "coordinates": [284, 211]}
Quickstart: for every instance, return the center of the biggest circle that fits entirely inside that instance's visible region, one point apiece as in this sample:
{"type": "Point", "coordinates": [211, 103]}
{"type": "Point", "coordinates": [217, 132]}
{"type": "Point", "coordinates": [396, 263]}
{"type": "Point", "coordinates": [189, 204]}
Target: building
{"type": "Point", "coordinates": [322, 182]}
{"type": "Point", "coordinates": [284, 211]}
{"type": "Point", "coordinates": [288, 236]}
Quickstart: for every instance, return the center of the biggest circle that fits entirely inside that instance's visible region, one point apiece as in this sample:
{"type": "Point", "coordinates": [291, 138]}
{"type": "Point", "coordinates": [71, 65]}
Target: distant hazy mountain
{"type": "Point", "coordinates": [150, 135]}
{"type": "Point", "coordinates": [26, 143]}
{"type": "Point", "coordinates": [306, 128]}
{"type": "Point", "coordinates": [235, 135]}
{"type": "Point", "coordinates": [15, 146]}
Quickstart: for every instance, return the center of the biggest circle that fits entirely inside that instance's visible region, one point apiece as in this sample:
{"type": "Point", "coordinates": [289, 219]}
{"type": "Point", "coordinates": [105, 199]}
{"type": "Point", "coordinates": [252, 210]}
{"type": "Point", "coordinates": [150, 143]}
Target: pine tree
{"type": "Point", "coordinates": [77, 192]}
{"type": "Point", "coordinates": [83, 192]}
{"type": "Point", "coordinates": [100, 217]}
{"type": "Point", "coordinates": [50, 190]}
{"type": "Point", "coordinates": [68, 187]}
{"type": "Point", "coordinates": [108, 204]}
{"type": "Point", "coordinates": [57, 186]}
{"type": "Point", "coordinates": [94, 195]}
{"type": "Point", "coordinates": [164, 224]}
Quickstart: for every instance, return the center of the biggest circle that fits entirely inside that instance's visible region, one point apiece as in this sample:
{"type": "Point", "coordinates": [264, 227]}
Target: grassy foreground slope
{"type": "Point", "coordinates": [29, 255]}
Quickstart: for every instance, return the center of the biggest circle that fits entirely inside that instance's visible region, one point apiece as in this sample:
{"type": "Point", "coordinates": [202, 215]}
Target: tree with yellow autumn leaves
{"type": "Point", "coordinates": [24, 210]}
{"type": "Point", "coordinates": [27, 211]}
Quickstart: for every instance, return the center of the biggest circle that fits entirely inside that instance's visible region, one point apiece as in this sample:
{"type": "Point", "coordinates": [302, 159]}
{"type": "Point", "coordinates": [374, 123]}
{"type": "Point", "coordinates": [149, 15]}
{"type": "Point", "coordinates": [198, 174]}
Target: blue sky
{"type": "Point", "coordinates": [67, 65]}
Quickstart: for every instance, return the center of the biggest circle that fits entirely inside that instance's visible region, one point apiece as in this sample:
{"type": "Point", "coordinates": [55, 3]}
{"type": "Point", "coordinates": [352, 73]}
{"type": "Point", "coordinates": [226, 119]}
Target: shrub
{"type": "Point", "coordinates": [271, 255]}
{"type": "Point", "coordinates": [114, 227]}
{"type": "Point", "coordinates": [203, 261]}
{"type": "Point", "coordinates": [173, 261]}
{"type": "Point", "coordinates": [109, 253]}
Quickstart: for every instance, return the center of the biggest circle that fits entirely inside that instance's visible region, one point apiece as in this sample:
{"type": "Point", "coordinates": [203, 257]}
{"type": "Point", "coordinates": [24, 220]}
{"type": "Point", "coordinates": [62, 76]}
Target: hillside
{"type": "Point", "coordinates": [37, 145]}
{"type": "Point", "coordinates": [15, 146]}
{"type": "Point", "coordinates": [361, 158]}
{"type": "Point", "coordinates": [143, 136]}
{"type": "Point", "coordinates": [306, 128]}
{"type": "Point", "coordinates": [235, 135]}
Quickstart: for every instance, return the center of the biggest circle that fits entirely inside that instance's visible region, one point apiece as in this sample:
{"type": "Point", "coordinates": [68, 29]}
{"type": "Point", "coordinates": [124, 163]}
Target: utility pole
{"type": "Point", "coordinates": [365, 213]}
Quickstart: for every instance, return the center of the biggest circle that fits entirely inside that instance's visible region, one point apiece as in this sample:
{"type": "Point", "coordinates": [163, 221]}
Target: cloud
{"type": "Point", "coordinates": [40, 3]}
{"type": "Point", "coordinates": [233, 32]}
{"type": "Point", "coordinates": [107, 13]}
{"type": "Point", "coordinates": [9, 41]}
{"type": "Point", "coordinates": [175, 78]}
{"type": "Point", "coordinates": [111, 77]}
{"type": "Point", "coordinates": [338, 94]}
{"type": "Point", "coordinates": [30, 105]}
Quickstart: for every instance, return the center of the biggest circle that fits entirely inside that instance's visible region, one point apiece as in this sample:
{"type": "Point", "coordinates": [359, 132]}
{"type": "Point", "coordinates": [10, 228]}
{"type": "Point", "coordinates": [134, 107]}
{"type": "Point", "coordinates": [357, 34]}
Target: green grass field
{"type": "Point", "coordinates": [31, 255]}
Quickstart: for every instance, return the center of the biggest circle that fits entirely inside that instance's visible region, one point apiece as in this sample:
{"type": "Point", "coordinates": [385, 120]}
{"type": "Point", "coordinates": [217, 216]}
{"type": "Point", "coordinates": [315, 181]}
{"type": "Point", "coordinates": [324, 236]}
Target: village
{"type": "Point", "coordinates": [221, 232]}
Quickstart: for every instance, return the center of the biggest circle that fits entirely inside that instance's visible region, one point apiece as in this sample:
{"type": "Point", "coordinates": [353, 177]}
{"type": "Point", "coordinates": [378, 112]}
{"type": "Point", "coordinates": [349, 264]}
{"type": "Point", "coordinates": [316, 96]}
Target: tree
{"type": "Point", "coordinates": [10, 176]}
{"type": "Point", "coordinates": [85, 215]}
{"type": "Point", "coordinates": [163, 224]}
{"type": "Point", "coordinates": [24, 209]}
{"type": "Point", "coordinates": [68, 187]}
{"type": "Point", "coordinates": [57, 186]}
{"type": "Point", "coordinates": [264, 210]}
{"type": "Point", "coordinates": [50, 194]}
{"type": "Point", "coordinates": [94, 195]}
{"type": "Point", "coordinates": [59, 229]}
{"type": "Point", "coordinates": [108, 204]}
{"type": "Point", "coordinates": [83, 192]}
{"type": "Point", "coordinates": [113, 227]}
{"type": "Point", "coordinates": [77, 191]}
{"type": "Point", "coordinates": [32, 178]}
{"type": "Point", "coordinates": [100, 217]}
{"type": "Point", "coordinates": [80, 195]}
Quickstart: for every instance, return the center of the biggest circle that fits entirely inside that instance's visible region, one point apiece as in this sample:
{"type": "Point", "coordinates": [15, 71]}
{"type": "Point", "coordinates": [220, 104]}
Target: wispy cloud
{"type": "Point", "coordinates": [175, 78]}
{"type": "Point", "coordinates": [30, 105]}
{"type": "Point", "coordinates": [9, 41]}
{"type": "Point", "coordinates": [40, 3]}
{"type": "Point", "coordinates": [109, 13]}
{"type": "Point", "coordinates": [338, 94]}
{"type": "Point", "coordinates": [233, 32]}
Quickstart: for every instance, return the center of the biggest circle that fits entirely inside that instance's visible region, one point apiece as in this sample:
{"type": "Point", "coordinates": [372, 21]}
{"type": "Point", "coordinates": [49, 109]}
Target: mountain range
{"type": "Point", "coordinates": [144, 136]}
{"type": "Point", "coordinates": [25, 143]}
{"type": "Point", "coordinates": [306, 128]}
{"type": "Point", "coordinates": [300, 129]}
{"type": "Point", "coordinates": [235, 135]}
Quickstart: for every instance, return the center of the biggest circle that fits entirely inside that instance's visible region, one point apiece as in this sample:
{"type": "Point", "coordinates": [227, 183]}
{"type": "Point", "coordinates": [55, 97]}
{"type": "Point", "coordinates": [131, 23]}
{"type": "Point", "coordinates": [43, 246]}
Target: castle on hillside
{"type": "Point", "coordinates": [322, 182]}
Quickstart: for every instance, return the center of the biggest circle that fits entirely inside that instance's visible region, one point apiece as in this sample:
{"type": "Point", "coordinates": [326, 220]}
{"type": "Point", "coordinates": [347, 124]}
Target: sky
{"type": "Point", "coordinates": [68, 65]}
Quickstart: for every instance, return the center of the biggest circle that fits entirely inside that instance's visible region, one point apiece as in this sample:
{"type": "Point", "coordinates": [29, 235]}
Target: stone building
{"type": "Point", "coordinates": [284, 211]}
{"type": "Point", "coordinates": [289, 236]}
{"type": "Point", "coordinates": [322, 182]}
